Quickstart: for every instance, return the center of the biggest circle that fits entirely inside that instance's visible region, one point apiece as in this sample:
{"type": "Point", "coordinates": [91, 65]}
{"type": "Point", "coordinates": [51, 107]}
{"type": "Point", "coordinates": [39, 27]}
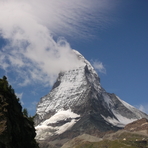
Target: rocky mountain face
{"type": "Point", "coordinates": [77, 104]}
{"type": "Point", "coordinates": [16, 130]}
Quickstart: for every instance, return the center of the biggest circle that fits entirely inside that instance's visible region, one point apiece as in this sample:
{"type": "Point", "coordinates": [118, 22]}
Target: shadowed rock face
{"type": "Point", "coordinates": [16, 131]}
{"type": "Point", "coordinates": [77, 104]}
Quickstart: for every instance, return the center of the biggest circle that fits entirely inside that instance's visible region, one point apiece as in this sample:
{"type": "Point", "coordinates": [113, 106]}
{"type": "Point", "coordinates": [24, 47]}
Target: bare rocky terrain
{"type": "Point", "coordinates": [134, 135]}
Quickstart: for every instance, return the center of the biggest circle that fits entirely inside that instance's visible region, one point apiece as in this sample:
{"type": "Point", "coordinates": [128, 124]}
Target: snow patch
{"type": "Point", "coordinates": [137, 112]}
{"type": "Point", "coordinates": [44, 129]}
{"type": "Point", "coordinates": [66, 126]}
{"type": "Point", "coordinates": [130, 107]}
{"type": "Point", "coordinates": [107, 100]}
{"type": "Point", "coordinates": [60, 115]}
{"type": "Point", "coordinates": [121, 121]}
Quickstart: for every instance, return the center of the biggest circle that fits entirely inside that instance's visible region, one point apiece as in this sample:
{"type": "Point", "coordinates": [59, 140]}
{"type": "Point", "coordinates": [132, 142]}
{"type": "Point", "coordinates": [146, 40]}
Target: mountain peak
{"type": "Point", "coordinates": [81, 106]}
{"type": "Point", "coordinates": [85, 62]}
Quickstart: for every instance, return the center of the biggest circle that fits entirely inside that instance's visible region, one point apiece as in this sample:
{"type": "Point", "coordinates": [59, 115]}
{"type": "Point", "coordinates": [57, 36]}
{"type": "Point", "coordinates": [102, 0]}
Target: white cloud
{"type": "Point", "coordinates": [29, 25]}
{"type": "Point", "coordinates": [99, 66]}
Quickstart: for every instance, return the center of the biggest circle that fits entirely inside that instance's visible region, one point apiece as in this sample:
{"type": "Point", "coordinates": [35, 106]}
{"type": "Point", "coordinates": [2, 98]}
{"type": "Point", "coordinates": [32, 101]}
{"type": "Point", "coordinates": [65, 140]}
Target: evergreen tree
{"type": "Point", "coordinates": [25, 112]}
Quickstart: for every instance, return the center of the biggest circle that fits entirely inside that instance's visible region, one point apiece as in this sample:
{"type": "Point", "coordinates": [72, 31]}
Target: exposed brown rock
{"type": "Point", "coordinates": [139, 125]}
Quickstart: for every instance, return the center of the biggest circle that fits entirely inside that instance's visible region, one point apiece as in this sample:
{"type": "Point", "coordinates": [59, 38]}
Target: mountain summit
{"type": "Point", "coordinates": [77, 104]}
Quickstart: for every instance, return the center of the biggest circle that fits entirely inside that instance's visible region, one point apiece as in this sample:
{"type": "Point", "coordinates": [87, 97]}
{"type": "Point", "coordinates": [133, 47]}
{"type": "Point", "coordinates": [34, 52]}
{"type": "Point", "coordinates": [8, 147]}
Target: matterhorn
{"type": "Point", "coordinates": [77, 104]}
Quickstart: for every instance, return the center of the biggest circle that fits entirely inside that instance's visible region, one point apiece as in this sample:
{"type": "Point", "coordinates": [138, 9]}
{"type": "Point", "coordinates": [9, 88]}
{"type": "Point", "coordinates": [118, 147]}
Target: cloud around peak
{"type": "Point", "coordinates": [28, 27]}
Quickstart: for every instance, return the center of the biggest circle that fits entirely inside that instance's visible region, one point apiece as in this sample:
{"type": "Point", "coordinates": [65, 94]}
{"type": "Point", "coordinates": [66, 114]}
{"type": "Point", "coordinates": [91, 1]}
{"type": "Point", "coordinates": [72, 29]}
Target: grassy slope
{"type": "Point", "coordinates": [117, 142]}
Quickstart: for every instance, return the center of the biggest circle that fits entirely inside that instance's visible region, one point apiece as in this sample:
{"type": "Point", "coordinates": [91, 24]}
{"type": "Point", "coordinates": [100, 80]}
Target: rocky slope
{"type": "Point", "coordinates": [140, 125]}
{"type": "Point", "coordinates": [16, 130]}
{"type": "Point", "coordinates": [134, 135]}
{"type": "Point", "coordinates": [124, 140]}
{"type": "Point", "coordinates": [78, 104]}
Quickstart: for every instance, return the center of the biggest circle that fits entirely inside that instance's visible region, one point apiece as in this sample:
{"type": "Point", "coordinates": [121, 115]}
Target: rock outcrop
{"type": "Point", "coordinates": [139, 125]}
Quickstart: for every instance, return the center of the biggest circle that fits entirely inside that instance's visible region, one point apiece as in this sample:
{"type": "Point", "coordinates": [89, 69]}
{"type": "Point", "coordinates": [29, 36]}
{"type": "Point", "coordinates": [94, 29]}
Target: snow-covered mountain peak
{"type": "Point", "coordinates": [78, 103]}
{"type": "Point", "coordinates": [69, 89]}
{"type": "Point", "coordinates": [85, 62]}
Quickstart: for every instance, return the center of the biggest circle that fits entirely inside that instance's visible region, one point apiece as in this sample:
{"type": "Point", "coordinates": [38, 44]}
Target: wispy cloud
{"type": "Point", "coordinates": [29, 25]}
{"type": "Point", "coordinates": [99, 66]}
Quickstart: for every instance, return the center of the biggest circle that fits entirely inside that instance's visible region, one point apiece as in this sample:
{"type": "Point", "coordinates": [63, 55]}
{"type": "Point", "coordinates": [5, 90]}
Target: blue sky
{"type": "Point", "coordinates": [36, 41]}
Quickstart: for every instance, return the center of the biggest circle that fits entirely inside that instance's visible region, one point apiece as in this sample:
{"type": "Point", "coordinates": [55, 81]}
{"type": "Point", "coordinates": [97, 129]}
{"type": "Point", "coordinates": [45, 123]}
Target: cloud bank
{"type": "Point", "coordinates": [29, 26]}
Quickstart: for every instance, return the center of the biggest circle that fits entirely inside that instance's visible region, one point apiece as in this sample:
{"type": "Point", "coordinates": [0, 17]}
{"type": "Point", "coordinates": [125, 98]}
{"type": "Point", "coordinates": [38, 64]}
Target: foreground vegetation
{"type": "Point", "coordinates": [16, 128]}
